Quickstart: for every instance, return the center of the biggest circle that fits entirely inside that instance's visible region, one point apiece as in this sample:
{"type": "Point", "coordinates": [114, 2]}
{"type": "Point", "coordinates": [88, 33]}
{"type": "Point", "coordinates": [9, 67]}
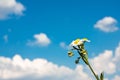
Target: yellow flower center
{"type": "Point", "coordinates": [76, 41]}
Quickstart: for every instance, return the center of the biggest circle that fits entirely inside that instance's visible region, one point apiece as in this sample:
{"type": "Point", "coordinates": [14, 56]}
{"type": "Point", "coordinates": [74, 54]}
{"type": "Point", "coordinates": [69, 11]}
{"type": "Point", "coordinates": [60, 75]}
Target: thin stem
{"type": "Point", "coordinates": [93, 71]}
{"type": "Point", "coordinates": [79, 50]}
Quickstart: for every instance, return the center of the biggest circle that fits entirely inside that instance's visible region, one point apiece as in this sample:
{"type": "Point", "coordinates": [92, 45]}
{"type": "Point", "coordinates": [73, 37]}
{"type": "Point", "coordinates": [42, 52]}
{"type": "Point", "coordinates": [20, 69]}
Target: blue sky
{"type": "Point", "coordinates": [61, 21]}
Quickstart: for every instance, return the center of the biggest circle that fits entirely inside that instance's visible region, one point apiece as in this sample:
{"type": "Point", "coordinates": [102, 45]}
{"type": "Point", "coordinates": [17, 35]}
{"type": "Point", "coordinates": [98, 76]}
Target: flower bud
{"type": "Point", "coordinates": [70, 53]}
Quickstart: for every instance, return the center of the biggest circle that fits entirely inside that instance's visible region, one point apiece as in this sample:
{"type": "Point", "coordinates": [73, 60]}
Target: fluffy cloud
{"type": "Point", "coordinates": [107, 24]}
{"type": "Point", "coordinates": [104, 62]}
{"type": "Point", "coordinates": [10, 7]}
{"type": "Point", "coordinates": [18, 68]}
{"type": "Point", "coordinates": [40, 69]}
{"type": "Point", "coordinates": [40, 40]}
{"type": "Point", "coordinates": [108, 61]}
{"type": "Point", "coordinates": [116, 59]}
{"type": "Point", "coordinates": [117, 77]}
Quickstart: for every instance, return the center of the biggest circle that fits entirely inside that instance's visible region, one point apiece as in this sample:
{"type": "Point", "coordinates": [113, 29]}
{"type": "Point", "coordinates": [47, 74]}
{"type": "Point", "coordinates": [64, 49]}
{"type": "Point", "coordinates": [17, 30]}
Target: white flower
{"type": "Point", "coordinates": [78, 41]}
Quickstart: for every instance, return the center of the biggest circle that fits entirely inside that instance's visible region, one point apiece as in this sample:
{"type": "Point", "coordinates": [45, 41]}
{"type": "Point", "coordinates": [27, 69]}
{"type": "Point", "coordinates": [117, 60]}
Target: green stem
{"type": "Point", "coordinates": [86, 60]}
{"type": "Point", "coordinates": [93, 71]}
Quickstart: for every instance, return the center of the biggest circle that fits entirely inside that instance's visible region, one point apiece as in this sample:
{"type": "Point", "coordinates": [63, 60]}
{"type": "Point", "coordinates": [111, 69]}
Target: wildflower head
{"type": "Point", "coordinates": [76, 42]}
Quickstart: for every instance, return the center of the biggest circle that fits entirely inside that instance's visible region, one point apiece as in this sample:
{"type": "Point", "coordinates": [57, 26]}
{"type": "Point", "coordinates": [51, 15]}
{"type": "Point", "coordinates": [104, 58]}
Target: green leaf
{"type": "Point", "coordinates": [102, 76]}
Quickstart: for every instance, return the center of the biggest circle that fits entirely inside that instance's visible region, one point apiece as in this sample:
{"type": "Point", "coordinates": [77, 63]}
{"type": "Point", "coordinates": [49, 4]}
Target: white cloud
{"type": "Point", "coordinates": [10, 7]}
{"type": "Point", "coordinates": [5, 37]}
{"type": "Point", "coordinates": [108, 61]}
{"type": "Point", "coordinates": [116, 59]}
{"type": "Point", "coordinates": [117, 77]}
{"type": "Point", "coordinates": [40, 40]}
{"type": "Point", "coordinates": [18, 68]}
{"type": "Point", "coordinates": [107, 24]}
{"type": "Point", "coordinates": [104, 62]}
{"type": "Point", "coordinates": [117, 53]}
{"type": "Point", "coordinates": [40, 69]}
{"type": "Point", "coordinates": [63, 45]}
